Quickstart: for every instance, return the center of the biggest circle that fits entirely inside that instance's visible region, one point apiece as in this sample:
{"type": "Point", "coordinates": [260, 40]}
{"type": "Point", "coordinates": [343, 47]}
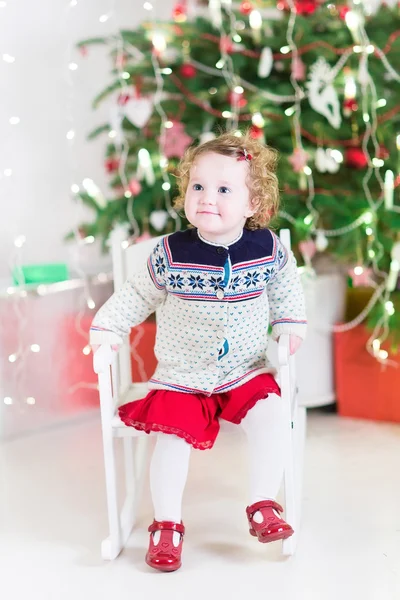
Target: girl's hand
{"type": "Point", "coordinates": [294, 343]}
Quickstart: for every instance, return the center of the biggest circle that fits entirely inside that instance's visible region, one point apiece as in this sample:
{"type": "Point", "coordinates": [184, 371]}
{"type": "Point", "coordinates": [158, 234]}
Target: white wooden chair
{"type": "Point", "coordinates": [116, 388]}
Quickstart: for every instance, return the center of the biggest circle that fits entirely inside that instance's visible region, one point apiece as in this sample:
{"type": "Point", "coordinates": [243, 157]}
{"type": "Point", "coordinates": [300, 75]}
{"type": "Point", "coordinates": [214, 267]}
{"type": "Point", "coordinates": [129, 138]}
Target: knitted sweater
{"type": "Point", "coordinates": [213, 306]}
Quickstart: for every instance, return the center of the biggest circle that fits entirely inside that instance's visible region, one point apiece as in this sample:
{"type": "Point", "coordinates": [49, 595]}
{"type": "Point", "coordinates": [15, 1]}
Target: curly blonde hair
{"type": "Point", "coordinates": [261, 180]}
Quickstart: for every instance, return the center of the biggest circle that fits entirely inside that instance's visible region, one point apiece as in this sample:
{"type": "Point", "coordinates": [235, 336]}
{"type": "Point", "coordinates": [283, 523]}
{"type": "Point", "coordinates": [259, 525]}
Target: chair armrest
{"type": "Point", "coordinates": [284, 350]}
{"type": "Point", "coordinates": [103, 358]}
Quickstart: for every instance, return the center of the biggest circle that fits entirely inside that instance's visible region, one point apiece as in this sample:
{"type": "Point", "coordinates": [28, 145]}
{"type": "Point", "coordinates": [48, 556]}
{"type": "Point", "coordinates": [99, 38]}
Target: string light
{"type": "Point", "coordinates": [8, 58]}
{"type": "Point", "coordinates": [19, 241]}
{"type": "Point", "coordinates": [258, 120]}
{"type": "Point", "coordinates": [91, 303]}
{"type": "Point", "coordinates": [368, 217]}
{"type": "Point", "coordinates": [8, 400]}
{"type": "Point", "coordinates": [350, 88]}
{"type": "Point", "coordinates": [103, 18]}
{"type": "Point", "coordinates": [30, 400]}
{"type": "Point", "coordinates": [15, 120]}
{"type": "Point", "coordinates": [159, 42]}
{"type": "Point", "coordinates": [35, 348]}
{"type": "Point", "coordinates": [255, 20]}
{"type": "Point", "coordinates": [352, 20]}
{"type": "Point", "coordinates": [73, 66]}
{"type": "Point", "coordinates": [389, 306]}
{"type": "Point", "coordinates": [147, 6]}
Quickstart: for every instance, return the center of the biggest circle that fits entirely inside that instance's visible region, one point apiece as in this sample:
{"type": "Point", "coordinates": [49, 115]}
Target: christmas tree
{"type": "Point", "coordinates": [315, 80]}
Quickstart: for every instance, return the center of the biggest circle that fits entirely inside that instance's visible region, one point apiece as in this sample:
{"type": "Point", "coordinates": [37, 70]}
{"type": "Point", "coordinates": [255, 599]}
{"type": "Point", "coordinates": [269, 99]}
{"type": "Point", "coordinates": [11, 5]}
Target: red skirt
{"type": "Point", "coordinates": [194, 417]}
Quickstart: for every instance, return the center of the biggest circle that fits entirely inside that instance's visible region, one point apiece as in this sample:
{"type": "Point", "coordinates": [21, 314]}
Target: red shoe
{"type": "Point", "coordinates": [273, 527]}
{"type": "Point", "coordinates": [165, 556]}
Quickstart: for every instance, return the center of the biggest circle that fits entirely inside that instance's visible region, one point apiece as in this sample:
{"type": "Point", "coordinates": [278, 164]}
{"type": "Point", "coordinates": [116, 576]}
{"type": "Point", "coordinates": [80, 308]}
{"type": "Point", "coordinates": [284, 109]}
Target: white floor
{"type": "Point", "coordinates": [52, 512]}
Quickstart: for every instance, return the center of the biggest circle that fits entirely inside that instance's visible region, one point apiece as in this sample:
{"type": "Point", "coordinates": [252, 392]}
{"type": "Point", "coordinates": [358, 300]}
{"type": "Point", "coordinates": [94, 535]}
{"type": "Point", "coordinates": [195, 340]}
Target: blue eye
{"type": "Point", "coordinates": [197, 187]}
{"type": "Point", "coordinates": [224, 190]}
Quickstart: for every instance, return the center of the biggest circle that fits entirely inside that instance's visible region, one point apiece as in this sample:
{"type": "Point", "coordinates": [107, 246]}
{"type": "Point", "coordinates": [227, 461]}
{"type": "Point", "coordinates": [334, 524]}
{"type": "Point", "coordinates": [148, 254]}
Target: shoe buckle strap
{"type": "Point", "coordinates": [166, 526]}
{"type": "Point", "coordinates": [251, 510]}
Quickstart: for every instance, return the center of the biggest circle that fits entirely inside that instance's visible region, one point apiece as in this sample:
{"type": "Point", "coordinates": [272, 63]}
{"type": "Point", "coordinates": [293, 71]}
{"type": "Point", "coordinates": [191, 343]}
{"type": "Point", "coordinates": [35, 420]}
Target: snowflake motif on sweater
{"type": "Point", "coordinates": [213, 304]}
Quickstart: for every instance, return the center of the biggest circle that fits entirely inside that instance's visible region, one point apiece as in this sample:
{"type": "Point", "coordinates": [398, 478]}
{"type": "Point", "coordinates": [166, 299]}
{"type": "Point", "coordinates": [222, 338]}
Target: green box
{"type": "Point", "coordinates": [37, 274]}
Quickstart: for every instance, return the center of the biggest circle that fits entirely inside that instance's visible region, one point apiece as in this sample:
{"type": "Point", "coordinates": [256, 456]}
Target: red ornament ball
{"type": "Point", "coordinates": [343, 10]}
{"type": "Point", "coordinates": [383, 153]}
{"type": "Point", "coordinates": [349, 105]}
{"type": "Point", "coordinates": [305, 7]}
{"type": "Point", "coordinates": [226, 44]}
{"type": "Point", "coordinates": [237, 99]}
{"type": "Point", "coordinates": [188, 71]}
{"type": "Point", "coordinates": [111, 164]}
{"type": "Point", "coordinates": [256, 132]}
{"type": "Point", "coordinates": [246, 7]}
{"type": "Point", "coordinates": [355, 158]}
{"type": "Point", "coordinates": [179, 13]}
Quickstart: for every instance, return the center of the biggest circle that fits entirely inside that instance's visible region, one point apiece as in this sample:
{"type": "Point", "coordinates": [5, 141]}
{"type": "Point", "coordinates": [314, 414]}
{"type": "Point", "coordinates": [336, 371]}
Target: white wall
{"type": "Point", "coordinates": [36, 201]}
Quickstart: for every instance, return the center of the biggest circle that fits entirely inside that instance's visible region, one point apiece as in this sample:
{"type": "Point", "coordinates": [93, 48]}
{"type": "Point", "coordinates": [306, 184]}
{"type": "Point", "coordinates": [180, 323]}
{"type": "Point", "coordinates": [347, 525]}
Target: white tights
{"type": "Point", "coordinates": [264, 426]}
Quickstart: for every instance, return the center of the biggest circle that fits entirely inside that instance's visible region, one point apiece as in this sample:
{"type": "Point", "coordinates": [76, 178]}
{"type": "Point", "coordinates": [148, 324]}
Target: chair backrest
{"type": "Point", "coordinates": [126, 261]}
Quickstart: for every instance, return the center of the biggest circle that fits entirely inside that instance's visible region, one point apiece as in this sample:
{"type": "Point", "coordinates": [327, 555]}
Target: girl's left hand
{"type": "Point", "coordinates": [294, 343]}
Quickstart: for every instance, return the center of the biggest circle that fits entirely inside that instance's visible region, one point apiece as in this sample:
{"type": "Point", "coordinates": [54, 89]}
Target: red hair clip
{"type": "Point", "coordinates": [244, 155]}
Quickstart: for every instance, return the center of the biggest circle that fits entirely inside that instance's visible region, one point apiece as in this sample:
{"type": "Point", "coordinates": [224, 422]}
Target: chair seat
{"type": "Point", "coordinates": [135, 392]}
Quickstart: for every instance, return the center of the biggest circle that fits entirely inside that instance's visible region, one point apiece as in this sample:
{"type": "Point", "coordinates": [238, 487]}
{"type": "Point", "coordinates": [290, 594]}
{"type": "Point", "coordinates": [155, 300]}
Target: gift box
{"type": "Point", "coordinates": [365, 388]}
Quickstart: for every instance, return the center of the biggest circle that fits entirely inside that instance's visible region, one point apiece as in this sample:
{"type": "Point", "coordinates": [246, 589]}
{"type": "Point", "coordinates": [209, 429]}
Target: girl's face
{"type": "Point", "coordinates": [217, 198]}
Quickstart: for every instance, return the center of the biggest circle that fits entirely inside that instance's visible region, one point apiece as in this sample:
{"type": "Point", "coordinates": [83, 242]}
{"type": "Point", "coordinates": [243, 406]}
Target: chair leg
{"type": "Point", "coordinates": [294, 479]}
{"type": "Point", "coordinates": [135, 451]}
{"type": "Point", "coordinates": [289, 545]}
{"type": "Point", "coordinates": [111, 546]}
{"type": "Point", "coordinates": [298, 449]}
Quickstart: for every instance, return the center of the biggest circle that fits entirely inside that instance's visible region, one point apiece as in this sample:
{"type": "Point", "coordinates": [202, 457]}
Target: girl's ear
{"type": "Point", "coordinates": [252, 208]}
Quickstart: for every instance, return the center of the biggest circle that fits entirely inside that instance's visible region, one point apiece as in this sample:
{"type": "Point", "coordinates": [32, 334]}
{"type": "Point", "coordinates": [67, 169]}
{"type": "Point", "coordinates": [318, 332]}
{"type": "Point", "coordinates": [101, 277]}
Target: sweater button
{"type": "Point", "coordinates": [220, 334]}
{"type": "Point", "coordinates": [220, 294]}
{"type": "Point", "coordinates": [220, 250]}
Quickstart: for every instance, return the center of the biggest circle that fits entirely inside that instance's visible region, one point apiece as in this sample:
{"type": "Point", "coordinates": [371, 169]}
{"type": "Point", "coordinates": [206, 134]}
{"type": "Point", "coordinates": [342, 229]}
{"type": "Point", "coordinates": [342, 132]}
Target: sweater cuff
{"type": "Point", "coordinates": [298, 328]}
{"type": "Point", "coordinates": [103, 336]}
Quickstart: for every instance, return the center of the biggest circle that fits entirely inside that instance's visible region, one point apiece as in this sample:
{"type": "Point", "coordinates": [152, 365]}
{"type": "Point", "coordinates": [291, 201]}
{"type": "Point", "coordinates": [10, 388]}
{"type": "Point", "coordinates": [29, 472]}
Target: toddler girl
{"type": "Point", "coordinates": [215, 286]}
